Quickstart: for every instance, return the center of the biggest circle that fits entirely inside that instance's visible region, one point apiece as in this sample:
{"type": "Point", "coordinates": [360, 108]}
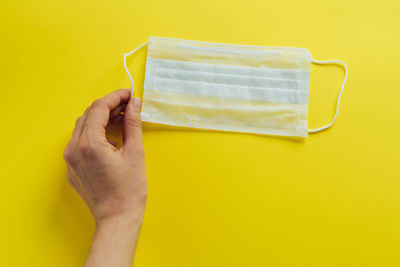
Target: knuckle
{"type": "Point", "coordinates": [68, 154]}
{"type": "Point", "coordinates": [70, 181]}
{"type": "Point", "coordinates": [97, 102]}
{"type": "Point", "coordinates": [143, 195]}
{"type": "Point", "coordinates": [78, 120]}
{"type": "Point", "coordinates": [135, 122]}
{"type": "Point", "coordinates": [85, 147]}
{"type": "Point", "coordinates": [139, 154]}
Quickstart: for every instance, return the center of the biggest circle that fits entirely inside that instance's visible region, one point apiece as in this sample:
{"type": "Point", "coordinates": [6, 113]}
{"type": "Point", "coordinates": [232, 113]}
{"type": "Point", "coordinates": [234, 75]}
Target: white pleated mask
{"type": "Point", "coordinates": [252, 89]}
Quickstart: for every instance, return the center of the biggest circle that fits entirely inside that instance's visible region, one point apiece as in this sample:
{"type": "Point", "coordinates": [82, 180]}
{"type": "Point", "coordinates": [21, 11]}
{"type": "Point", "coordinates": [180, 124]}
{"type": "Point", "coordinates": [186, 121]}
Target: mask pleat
{"type": "Point", "coordinates": [249, 89]}
{"type": "Point", "coordinates": [214, 113]}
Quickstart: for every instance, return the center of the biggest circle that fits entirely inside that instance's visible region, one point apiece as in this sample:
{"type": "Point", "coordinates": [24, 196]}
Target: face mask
{"type": "Point", "coordinates": [251, 89]}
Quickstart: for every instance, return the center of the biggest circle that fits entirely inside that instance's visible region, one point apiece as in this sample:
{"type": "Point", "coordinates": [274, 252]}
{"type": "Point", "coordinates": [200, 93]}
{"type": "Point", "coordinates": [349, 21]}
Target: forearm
{"type": "Point", "coordinates": [111, 180]}
{"type": "Point", "coordinates": [114, 242]}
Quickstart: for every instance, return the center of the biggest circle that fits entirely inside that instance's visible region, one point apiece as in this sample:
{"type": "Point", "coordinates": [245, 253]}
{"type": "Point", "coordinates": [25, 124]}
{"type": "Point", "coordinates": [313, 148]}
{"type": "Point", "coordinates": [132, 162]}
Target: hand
{"type": "Point", "coordinates": [111, 181]}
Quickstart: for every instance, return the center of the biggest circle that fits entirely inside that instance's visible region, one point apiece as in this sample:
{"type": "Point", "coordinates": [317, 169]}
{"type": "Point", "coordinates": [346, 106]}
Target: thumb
{"type": "Point", "coordinates": [132, 132]}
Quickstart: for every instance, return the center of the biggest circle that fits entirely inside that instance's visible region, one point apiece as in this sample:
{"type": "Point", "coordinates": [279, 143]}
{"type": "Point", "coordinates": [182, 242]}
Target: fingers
{"type": "Point", "coordinates": [69, 152]}
{"type": "Point", "coordinates": [117, 111]}
{"type": "Point", "coordinates": [132, 128]}
{"type": "Point", "coordinates": [112, 142]}
{"type": "Point", "coordinates": [116, 120]}
{"type": "Point", "coordinates": [79, 126]}
{"type": "Point", "coordinates": [115, 115]}
{"type": "Point", "coordinates": [98, 115]}
{"type": "Point", "coordinates": [71, 179]}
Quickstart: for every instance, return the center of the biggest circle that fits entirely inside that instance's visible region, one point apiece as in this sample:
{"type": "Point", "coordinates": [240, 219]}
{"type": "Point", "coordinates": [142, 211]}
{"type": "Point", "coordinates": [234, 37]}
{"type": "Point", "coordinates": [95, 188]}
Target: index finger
{"type": "Point", "coordinates": [99, 113]}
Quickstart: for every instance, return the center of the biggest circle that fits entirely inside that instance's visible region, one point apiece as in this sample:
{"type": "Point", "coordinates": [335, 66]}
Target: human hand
{"type": "Point", "coordinates": [111, 181]}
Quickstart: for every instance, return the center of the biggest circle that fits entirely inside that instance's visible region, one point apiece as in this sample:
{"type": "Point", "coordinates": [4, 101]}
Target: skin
{"type": "Point", "coordinates": [111, 181]}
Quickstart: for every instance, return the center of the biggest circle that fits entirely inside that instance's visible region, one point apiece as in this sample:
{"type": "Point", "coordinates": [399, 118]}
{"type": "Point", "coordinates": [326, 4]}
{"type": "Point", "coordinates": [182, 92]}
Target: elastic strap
{"type": "Point", "coordinates": [126, 67]}
{"type": "Point", "coordinates": [340, 92]}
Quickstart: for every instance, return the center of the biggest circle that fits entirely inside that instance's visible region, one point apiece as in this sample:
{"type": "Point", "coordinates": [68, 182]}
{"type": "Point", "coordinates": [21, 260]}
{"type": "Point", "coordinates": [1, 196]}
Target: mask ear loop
{"type": "Point", "coordinates": [340, 92]}
{"type": "Point", "coordinates": [126, 67]}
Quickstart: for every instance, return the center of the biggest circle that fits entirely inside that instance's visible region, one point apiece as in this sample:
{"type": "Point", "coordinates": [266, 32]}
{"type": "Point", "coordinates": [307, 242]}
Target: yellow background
{"type": "Point", "coordinates": [216, 199]}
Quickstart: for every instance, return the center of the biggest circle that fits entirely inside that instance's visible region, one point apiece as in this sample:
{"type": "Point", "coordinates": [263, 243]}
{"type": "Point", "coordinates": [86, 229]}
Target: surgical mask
{"type": "Point", "coordinates": [236, 88]}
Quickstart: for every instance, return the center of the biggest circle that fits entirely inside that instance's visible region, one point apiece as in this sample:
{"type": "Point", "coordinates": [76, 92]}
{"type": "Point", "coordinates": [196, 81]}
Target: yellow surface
{"type": "Point", "coordinates": [216, 199]}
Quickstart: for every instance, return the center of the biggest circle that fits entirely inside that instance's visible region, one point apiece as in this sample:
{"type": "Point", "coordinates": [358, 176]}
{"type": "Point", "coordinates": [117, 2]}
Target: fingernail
{"type": "Point", "coordinates": [136, 104]}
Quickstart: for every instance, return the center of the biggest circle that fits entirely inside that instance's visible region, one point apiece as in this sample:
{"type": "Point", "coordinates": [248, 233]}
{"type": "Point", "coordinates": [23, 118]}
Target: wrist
{"type": "Point", "coordinates": [125, 219]}
{"type": "Point", "coordinates": [120, 212]}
